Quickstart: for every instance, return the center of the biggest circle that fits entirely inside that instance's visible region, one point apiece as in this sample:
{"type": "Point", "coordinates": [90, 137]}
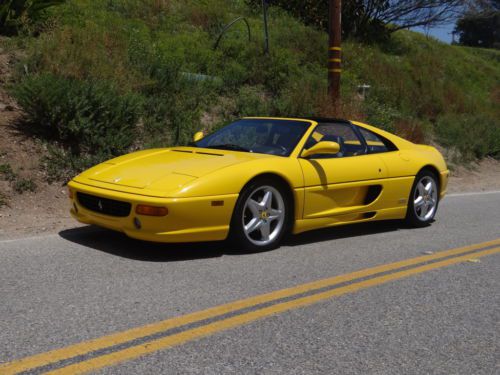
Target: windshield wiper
{"type": "Point", "coordinates": [229, 146]}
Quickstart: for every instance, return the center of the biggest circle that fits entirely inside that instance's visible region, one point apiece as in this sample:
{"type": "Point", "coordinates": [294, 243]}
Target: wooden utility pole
{"type": "Point", "coordinates": [335, 50]}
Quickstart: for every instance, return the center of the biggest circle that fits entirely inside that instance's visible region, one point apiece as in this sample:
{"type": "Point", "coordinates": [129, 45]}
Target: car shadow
{"type": "Point", "coordinates": [118, 244]}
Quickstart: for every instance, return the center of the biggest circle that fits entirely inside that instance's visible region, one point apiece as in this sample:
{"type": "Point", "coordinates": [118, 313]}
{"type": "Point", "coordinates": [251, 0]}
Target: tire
{"type": "Point", "coordinates": [424, 200]}
{"type": "Point", "coordinates": [262, 216]}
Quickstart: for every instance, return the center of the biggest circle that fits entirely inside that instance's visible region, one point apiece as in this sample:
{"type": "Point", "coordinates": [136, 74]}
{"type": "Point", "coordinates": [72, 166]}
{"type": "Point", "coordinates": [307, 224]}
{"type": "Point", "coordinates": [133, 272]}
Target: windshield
{"type": "Point", "coordinates": [263, 136]}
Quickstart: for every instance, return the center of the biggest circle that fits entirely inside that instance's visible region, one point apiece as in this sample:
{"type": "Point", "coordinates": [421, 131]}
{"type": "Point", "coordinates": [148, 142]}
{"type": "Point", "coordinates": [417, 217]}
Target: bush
{"type": "Point", "coordinates": [7, 173]}
{"type": "Point", "coordinates": [23, 185]}
{"type": "Point", "coordinates": [475, 136]}
{"type": "Point", "coordinates": [62, 165]}
{"type": "Point", "coordinates": [85, 118]}
{"type": "Point", "coordinates": [252, 101]}
{"type": "Point", "coordinates": [3, 199]}
{"type": "Point", "coordinates": [17, 13]}
{"type": "Point", "coordinates": [20, 185]}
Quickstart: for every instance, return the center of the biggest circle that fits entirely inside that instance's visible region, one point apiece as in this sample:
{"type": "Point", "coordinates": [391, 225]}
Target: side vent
{"type": "Point", "coordinates": [369, 215]}
{"type": "Point", "coordinates": [372, 194]}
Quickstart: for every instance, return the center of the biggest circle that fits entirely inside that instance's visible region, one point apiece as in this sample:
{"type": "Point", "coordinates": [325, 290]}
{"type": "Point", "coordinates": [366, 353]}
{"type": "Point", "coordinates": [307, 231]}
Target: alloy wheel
{"type": "Point", "coordinates": [425, 198]}
{"type": "Point", "coordinates": [263, 215]}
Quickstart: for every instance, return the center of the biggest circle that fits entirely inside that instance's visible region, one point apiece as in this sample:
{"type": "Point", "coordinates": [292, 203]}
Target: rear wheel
{"type": "Point", "coordinates": [424, 200]}
{"type": "Point", "coordinates": [261, 216]}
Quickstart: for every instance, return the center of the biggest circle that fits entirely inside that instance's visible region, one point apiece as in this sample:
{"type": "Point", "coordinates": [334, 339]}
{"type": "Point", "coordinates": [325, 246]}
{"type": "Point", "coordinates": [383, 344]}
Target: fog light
{"type": "Point", "coordinates": [151, 210]}
{"type": "Point", "coordinates": [137, 223]}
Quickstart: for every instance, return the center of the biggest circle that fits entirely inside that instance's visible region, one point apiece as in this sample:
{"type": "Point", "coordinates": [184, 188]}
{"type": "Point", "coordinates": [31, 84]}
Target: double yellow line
{"type": "Point", "coordinates": [356, 281]}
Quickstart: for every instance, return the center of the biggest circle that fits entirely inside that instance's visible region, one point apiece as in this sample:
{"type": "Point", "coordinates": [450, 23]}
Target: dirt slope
{"type": "Point", "coordinates": [45, 209]}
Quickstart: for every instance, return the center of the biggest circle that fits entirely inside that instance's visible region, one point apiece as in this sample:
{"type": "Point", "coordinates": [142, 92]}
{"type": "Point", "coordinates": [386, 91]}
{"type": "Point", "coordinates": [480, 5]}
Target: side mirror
{"type": "Point", "coordinates": [198, 136]}
{"type": "Point", "coordinates": [325, 147]}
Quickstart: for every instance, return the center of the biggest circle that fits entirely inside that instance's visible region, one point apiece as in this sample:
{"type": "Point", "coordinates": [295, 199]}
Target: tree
{"type": "Point", "coordinates": [480, 26]}
{"type": "Point", "coordinates": [403, 14]}
{"type": "Point", "coordinates": [367, 19]}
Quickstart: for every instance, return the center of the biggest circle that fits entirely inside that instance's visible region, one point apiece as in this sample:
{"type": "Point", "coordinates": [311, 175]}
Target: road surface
{"type": "Point", "coordinates": [367, 299]}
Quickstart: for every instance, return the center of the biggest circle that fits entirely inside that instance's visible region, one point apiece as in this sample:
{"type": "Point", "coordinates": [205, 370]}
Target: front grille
{"type": "Point", "coordinates": [104, 205]}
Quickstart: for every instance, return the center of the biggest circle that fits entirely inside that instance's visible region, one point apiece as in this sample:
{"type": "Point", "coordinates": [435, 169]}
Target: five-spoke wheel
{"type": "Point", "coordinates": [261, 216]}
{"type": "Point", "coordinates": [424, 199]}
{"type": "Point", "coordinates": [264, 215]}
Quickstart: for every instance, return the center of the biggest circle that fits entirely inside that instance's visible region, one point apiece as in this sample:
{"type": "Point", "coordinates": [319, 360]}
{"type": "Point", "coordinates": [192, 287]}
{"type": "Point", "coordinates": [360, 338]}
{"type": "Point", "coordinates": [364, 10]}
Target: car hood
{"type": "Point", "coordinates": [161, 170]}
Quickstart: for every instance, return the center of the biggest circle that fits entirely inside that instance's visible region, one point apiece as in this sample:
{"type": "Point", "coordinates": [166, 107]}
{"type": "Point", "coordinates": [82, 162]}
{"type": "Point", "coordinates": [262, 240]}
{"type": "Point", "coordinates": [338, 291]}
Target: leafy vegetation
{"type": "Point", "coordinates": [452, 130]}
{"type": "Point", "coordinates": [3, 200]}
{"type": "Point", "coordinates": [372, 20]}
{"type": "Point", "coordinates": [114, 76]}
{"type": "Point", "coordinates": [19, 184]}
{"type": "Point", "coordinates": [24, 184]}
{"type": "Point", "coordinates": [90, 120]}
{"type": "Point", "coordinates": [15, 14]}
{"type": "Point", "coordinates": [7, 173]}
{"type": "Point", "coordinates": [479, 26]}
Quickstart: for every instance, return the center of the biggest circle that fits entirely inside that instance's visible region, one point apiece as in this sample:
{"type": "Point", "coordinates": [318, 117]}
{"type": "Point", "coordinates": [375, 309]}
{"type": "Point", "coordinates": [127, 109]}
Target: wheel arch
{"type": "Point", "coordinates": [284, 185]}
{"type": "Point", "coordinates": [435, 171]}
{"type": "Point", "coordinates": [283, 182]}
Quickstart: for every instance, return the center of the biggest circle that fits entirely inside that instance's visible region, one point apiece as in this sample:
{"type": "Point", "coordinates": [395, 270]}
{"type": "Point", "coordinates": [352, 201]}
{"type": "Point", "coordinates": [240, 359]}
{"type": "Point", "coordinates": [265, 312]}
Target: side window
{"type": "Point", "coordinates": [376, 144]}
{"type": "Point", "coordinates": [343, 134]}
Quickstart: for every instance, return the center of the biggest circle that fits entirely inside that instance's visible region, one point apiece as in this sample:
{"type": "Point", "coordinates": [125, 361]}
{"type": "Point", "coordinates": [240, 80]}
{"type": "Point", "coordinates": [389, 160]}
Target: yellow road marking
{"type": "Point", "coordinates": [335, 60]}
{"type": "Point", "coordinates": [222, 325]}
{"type": "Point", "coordinates": [85, 347]}
{"type": "Point", "coordinates": [335, 70]}
{"type": "Point", "coordinates": [335, 49]}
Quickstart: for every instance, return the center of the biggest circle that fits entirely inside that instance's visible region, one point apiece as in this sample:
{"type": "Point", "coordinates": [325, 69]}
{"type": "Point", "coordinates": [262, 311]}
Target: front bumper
{"type": "Point", "coordinates": [195, 219]}
{"type": "Point", "coordinates": [444, 183]}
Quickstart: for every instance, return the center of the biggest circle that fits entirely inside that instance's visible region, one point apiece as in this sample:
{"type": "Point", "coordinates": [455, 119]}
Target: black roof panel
{"type": "Point", "coordinates": [320, 120]}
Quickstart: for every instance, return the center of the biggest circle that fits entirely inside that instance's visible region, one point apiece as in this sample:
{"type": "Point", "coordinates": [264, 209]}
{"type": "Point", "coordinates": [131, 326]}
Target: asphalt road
{"type": "Point", "coordinates": [87, 283]}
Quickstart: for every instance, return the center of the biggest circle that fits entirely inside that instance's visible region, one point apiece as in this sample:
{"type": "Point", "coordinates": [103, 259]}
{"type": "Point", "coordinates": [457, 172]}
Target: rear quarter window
{"type": "Point", "coordinates": [376, 143]}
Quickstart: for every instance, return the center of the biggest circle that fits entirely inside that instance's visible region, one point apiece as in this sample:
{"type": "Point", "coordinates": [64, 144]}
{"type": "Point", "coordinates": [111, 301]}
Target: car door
{"type": "Point", "coordinates": [345, 183]}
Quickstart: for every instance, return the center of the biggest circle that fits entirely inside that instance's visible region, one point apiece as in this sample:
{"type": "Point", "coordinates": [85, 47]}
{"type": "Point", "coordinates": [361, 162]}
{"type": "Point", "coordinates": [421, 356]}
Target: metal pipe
{"type": "Point", "coordinates": [228, 26]}
{"type": "Point", "coordinates": [266, 29]}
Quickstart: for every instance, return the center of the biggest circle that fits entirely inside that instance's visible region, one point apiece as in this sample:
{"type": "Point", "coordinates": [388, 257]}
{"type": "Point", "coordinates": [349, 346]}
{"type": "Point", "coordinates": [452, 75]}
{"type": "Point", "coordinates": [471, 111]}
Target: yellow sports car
{"type": "Point", "coordinates": [258, 179]}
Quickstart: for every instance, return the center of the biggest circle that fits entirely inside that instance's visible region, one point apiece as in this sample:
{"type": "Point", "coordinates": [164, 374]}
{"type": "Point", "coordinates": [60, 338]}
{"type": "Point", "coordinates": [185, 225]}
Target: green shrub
{"type": "Point", "coordinates": [23, 185]}
{"type": "Point", "coordinates": [153, 11]}
{"type": "Point", "coordinates": [62, 165]}
{"type": "Point", "coordinates": [17, 13]}
{"type": "Point", "coordinates": [252, 101]}
{"type": "Point", "coordinates": [7, 173]}
{"type": "Point", "coordinates": [20, 185]}
{"type": "Point", "coordinates": [3, 199]}
{"type": "Point", "coordinates": [304, 96]}
{"type": "Point", "coordinates": [475, 136]}
{"type": "Point", "coordinates": [81, 116]}
{"type": "Point", "coordinates": [85, 118]}
{"type": "Point", "coordinates": [381, 115]}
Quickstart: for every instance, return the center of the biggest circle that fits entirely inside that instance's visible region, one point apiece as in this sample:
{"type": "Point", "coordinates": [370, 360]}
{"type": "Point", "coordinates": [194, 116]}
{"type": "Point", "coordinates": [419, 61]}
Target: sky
{"type": "Point", "coordinates": [442, 32]}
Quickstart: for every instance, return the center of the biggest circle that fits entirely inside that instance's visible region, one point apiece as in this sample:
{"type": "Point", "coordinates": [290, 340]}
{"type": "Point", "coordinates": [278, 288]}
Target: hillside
{"type": "Point", "coordinates": [104, 78]}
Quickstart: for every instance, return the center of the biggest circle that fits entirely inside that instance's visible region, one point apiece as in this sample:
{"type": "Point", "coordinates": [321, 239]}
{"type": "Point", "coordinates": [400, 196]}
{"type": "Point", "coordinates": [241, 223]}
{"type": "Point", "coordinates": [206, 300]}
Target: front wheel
{"type": "Point", "coordinates": [261, 216]}
{"type": "Point", "coordinates": [424, 200]}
